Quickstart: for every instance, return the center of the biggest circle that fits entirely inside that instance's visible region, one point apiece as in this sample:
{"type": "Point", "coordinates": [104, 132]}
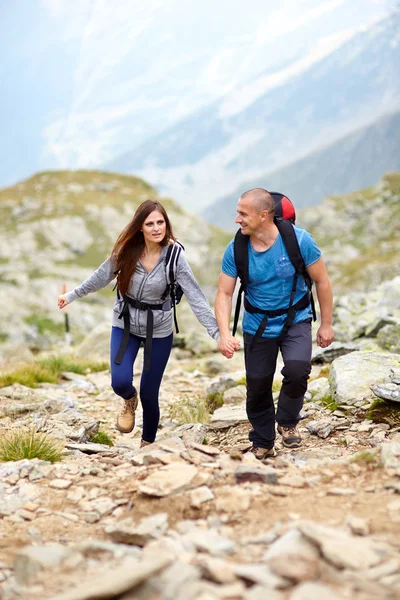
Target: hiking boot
{"type": "Point", "coordinates": [126, 418]}
{"type": "Point", "coordinates": [143, 443]}
{"type": "Point", "coordinates": [291, 438]}
{"type": "Point", "coordinates": [262, 453]}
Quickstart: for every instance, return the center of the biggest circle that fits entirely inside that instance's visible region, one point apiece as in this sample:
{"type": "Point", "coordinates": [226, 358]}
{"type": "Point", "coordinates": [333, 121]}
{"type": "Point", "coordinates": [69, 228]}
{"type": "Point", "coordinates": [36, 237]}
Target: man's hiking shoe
{"type": "Point", "coordinates": [126, 418]}
{"type": "Point", "coordinates": [143, 443]}
{"type": "Point", "coordinates": [262, 453]}
{"type": "Point", "coordinates": [291, 438]}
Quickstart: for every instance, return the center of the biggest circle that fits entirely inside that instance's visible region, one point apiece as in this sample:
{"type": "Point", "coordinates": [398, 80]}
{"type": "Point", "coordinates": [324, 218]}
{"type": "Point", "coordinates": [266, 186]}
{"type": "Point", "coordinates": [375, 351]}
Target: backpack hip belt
{"type": "Point", "coordinates": [124, 314]}
{"type": "Point", "coordinates": [290, 311]}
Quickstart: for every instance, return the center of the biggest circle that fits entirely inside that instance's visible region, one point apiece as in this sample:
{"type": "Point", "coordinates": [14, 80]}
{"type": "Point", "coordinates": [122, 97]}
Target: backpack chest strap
{"type": "Point", "coordinates": [290, 311]}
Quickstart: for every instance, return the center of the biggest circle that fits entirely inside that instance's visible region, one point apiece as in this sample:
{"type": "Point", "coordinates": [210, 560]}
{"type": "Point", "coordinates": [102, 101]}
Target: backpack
{"type": "Point", "coordinates": [285, 217]}
{"type": "Point", "coordinates": [173, 289]}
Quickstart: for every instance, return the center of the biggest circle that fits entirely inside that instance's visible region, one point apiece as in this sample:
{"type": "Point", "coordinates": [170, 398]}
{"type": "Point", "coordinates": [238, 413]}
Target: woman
{"type": "Point", "coordinates": [138, 260]}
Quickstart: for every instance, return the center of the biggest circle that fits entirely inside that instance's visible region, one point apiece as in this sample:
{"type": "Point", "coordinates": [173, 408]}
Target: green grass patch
{"type": "Point", "coordinates": [366, 457]}
{"type": "Point", "coordinates": [214, 401]}
{"type": "Point", "coordinates": [242, 381]}
{"type": "Point", "coordinates": [190, 410]}
{"type": "Point", "coordinates": [48, 370]}
{"type": "Point", "coordinates": [19, 444]}
{"type": "Point", "coordinates": [328, 402]}
{"type": "Point", "coordinates": [45, 325]}
{"type": "Point", "coordinates": [102, 438]}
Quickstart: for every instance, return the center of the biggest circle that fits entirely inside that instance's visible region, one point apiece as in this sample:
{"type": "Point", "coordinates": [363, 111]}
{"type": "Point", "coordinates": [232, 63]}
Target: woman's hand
{"type": "Point", "coordinates": [62, 301]}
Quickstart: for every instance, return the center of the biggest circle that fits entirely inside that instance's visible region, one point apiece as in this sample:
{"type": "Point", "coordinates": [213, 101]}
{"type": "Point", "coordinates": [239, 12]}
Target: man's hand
{"type": "Point", "coordinates": [228, 345]}
{"type": "Point", "coordinates": [325, 336]}
{"type": "Point", "coordinates": [62, 301]}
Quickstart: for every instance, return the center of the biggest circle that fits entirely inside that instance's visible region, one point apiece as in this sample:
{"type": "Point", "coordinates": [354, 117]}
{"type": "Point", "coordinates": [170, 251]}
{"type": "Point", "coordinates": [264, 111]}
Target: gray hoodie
{"type": "Point", "coordinates": [149, 288]}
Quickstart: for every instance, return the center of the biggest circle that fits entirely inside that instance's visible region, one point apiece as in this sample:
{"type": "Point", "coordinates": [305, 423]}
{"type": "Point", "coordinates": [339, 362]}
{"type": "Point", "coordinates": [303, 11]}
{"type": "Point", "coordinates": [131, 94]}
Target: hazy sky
{"type": "Point", "coordinates": [84, 80]}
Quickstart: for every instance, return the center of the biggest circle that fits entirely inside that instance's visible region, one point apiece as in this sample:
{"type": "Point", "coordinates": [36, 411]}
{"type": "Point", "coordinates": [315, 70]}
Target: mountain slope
{"type": "Point", "coordinates": [353, 162]}
{"type": "Point", "coordinates": [214, 150]}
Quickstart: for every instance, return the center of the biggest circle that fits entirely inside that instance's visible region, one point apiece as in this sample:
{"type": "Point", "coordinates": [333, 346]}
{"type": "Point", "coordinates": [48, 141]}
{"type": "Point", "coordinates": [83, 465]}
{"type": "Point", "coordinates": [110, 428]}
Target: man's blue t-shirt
{"type": "Point", "coordinates": [271, 279]}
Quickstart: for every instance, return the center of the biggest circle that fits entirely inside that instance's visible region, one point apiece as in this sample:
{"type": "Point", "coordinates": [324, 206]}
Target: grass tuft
{"type": "Point", "coordinates": [102, 438]}
{"type": "Point", "coordinates": [18, 444]}
{"type": "Point", "coordinates": [48, 370]}
{"type": "Point", "coordinates": [366, 457]}
{"type": "Point", "coordinates": [190, 410]}
{"type": "Point", "coordinates": [214, 401]}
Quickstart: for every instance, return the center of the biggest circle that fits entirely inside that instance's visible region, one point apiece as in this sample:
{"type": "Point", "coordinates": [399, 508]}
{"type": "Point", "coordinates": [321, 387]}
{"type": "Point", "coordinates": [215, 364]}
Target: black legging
{"type": "Point", "coordinates": [122, 376]}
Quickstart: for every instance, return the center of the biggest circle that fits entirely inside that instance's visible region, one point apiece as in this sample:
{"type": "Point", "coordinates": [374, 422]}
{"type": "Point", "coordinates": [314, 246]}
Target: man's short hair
{"type": "Point", "coordinates": [261, 199]}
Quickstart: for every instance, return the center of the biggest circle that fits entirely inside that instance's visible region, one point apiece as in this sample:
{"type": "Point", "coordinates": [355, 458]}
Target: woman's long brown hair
{"type": "Point", "coordinates": [130, 243]}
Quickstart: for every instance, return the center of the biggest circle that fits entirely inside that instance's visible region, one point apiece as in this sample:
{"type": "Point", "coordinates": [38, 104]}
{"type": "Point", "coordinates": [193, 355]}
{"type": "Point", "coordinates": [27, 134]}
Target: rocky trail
{"type": "Point", "coordinates": [195, 516]}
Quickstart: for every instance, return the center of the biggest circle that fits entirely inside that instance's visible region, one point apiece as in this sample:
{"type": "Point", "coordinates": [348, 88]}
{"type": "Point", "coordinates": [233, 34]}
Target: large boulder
{"type": "Point", "coordinates": [352, 376]}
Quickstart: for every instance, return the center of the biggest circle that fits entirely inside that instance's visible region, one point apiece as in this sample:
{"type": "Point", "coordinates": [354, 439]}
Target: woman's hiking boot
{"type": "Point", "coordinates": [262, 453]}
{"type": "Point", "coordinates": [291, 438]}
{"type": "Point", "coordinates": [126, 418]}
{"type": "Point", "coordinates": [143, 443]}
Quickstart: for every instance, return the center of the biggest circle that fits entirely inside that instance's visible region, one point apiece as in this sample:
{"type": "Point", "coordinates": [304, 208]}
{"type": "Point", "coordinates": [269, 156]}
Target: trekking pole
{"type": "Point", "coordinates": [66, 319]}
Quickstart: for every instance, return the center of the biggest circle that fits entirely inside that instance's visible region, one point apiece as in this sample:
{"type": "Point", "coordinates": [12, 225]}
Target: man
{"type": "Point", "coordinates": [269, 288]}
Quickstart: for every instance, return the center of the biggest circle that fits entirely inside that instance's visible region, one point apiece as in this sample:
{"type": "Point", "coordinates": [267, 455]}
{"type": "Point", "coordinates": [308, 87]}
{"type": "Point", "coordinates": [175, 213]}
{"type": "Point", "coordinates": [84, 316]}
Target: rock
{"type": "Point", "coordinates": [327, 355]}
{"type": "Point", "coordinates": [32, 559]}
{"type": "Point", "coordinates": [255, 473]}
{"type": "Point", "coordinates": [211, 542]}
{"type": "Point", "coordinates": [228, 416]}
{"type": "Point", "coordinates": [89, 447]}
{"type": "Point", "coordinates": [352, 376]}
{"type": "Point", "coordinates": [322, 428]}
{"type": "Point", "coordinates": [168, 479]}
{"type": "Point", "coordinates": [60, 484]}
{"type": "Point", "coordinates": [314, 591]}
{"type": "Point", "coordinates": [296, 569]}
{"type": "Point", "coordinates": [388, 337]}
{"type": "Point", "coordinates": [260, 574]}
{"type": "Point", "coordinates": [223, 383]}
{"type": "Point", "coordinates": [128, 532]}
{"type": "Point", "coordinates": [206, 449]}
{"type": "Point", "coordinates": [235, 395]}
{"type": "Point", "coordinates": [387, 391]}
{"type": "Point", "coordinates": [119, 580]}
{"type": "Point", "coordinates": [216, 569]}
{"type": "Point", "coordinates": [341, 549]}
{"type": "Point", "coordinates": [390, 455]}
{"type": "Point", "coordinates": [200, 495]}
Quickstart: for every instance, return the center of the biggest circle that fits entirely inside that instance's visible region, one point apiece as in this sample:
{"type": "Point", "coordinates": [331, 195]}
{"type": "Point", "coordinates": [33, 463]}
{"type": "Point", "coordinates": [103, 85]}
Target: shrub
{"type": "Point", "coordinates": [18, 444]}
{"type": "Point", "coordinates": [190, 410]}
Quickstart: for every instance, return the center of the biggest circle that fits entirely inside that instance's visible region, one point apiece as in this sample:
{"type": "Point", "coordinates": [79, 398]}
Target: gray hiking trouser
{"type": "Point", "coordinates": [260, 364]}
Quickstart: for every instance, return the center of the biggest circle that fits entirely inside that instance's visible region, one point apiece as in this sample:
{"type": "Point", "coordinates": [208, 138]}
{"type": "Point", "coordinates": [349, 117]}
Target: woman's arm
{"type": "Point", "coordinates": [98, 280]}
{"type": "Point", "coordinates": [196, 298]}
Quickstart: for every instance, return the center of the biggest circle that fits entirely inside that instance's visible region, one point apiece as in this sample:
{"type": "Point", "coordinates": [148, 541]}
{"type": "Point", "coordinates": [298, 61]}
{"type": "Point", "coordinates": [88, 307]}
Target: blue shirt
{"type": "Point", "coordinates": [271, 279]}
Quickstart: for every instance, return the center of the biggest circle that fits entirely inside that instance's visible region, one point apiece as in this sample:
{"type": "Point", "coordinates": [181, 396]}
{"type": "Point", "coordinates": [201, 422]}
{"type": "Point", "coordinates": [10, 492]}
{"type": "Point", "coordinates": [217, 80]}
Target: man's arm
{"type": "Point", "coordinates": [319, 274]}
{"type": "Point", "coordinates": [223, 307]}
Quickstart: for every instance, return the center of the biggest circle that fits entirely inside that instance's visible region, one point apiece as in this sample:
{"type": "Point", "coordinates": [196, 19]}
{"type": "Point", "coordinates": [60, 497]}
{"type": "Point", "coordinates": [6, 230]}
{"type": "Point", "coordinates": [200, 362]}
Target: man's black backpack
{"type": "Point", "coordinates": [285, 217]}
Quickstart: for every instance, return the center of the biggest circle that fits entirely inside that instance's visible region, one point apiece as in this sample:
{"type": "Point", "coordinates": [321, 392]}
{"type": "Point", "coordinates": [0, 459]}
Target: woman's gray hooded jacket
{"type": "Point", "coordinates": [149, 288]}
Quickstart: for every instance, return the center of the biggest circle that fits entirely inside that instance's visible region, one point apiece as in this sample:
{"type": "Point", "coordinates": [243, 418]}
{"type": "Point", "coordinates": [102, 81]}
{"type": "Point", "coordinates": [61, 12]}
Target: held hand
{"type": "Point", "coordinates": [325, 336]}
{"type": "Point", "coordinates": [228, 345]}
{"type": "Point", "coordinates": [62, 301]}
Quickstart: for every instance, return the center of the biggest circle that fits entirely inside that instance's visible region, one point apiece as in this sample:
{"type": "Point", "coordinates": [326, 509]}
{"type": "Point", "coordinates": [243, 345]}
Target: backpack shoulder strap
{"type": "Point", "coordinates": [241, 256]}
{"type": "Point", "coordinates": [171, 260]}
{"type": "Point", "coordinates": [289, 238]}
